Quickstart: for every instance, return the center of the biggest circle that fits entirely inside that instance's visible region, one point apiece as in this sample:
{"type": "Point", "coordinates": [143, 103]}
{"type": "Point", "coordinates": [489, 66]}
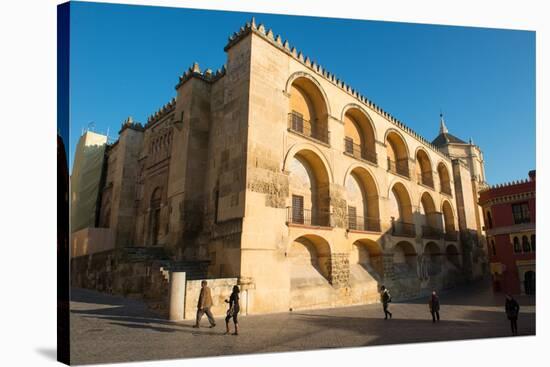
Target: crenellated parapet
{"type": "Point", "coordinates": [277, 41]}
{"type": "Point", "coordinates": [194, 71]}
{"type": "Point", "coordinates": [163, 111]}
{"type": "Point", "coordinates": [130, 124]}
{"type": "Point", "coordinates": [506, 184]}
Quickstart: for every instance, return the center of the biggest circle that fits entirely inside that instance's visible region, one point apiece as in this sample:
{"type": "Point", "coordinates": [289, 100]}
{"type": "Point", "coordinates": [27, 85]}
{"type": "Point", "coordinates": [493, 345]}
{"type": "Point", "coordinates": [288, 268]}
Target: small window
{"type": "Point", "coordinates": [489, 220]}
{"type": "Point", "coordinates": [525, 244]}
{"type": "Point", "coordinates": [517, 247]}
{"type": "Point", "coordinates": [297, 122]}
{"type": "Point", "coordinates": [521, 213]}
{"type": "Point", "coordinates": [493, 247]}
{"type": "Point", "coordinates": [533, 247]}
{"type": "Point", "coordinates": [297, 209]}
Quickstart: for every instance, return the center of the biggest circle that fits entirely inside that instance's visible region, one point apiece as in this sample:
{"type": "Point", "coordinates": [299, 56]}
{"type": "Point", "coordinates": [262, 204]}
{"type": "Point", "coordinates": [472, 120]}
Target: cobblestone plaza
{"type": "Point", "coordinates": [113, 329]}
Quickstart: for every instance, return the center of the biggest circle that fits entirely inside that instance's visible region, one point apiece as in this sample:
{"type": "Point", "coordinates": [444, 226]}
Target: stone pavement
{"type": "Point", "coordinates": [114, 329]}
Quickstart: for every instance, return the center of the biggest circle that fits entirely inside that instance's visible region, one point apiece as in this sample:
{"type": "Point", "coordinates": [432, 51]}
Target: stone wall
{"type": "Point", "coordinates": [221, 290]}
{"type": "Point", "coordinates": [91, 240]}
{"type": "Point", "coordinates": [339, 270]}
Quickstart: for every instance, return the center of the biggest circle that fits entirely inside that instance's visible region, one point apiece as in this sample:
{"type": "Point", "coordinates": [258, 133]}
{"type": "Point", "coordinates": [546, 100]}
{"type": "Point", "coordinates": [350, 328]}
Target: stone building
{"type": "Point", "coordinates": [510, 223]}
{"type": "Point", "coordinates": [274, 172]}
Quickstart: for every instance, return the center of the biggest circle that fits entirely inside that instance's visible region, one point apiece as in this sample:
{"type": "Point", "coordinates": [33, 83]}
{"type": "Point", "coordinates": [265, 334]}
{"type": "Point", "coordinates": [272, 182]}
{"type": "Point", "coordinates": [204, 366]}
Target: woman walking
{"type": "Point", "coordinates": [233, 311]}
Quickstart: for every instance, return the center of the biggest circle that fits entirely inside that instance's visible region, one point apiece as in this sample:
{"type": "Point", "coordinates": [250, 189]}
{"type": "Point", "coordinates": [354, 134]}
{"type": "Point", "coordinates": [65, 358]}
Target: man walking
{"type": "Point", "coordinates": [386, 298]}
{"type": "Point", "coordinates": [204, 304]}
{"type": "Point", "coordinates": [433, 303]}
{"type": "Point", "coordinates": [512, 311]}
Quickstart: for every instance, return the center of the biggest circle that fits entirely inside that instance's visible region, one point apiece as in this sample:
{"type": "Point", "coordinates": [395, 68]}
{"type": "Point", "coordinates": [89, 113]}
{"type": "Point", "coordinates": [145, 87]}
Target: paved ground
{"type": "Point", "coordinates": [113, 329]}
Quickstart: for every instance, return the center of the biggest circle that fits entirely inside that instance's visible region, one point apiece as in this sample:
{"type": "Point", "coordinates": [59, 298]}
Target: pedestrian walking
{"type": "Point", "coordinates": [512, 310]}
{"type": "Point", "coordinates": [204, 305]}
{"type": "Point", "coordinates": [233, 311]}
{"type": "Point", "coordinates": [433, 303]}
{"type": "Point", "coordinates": [386, 298]}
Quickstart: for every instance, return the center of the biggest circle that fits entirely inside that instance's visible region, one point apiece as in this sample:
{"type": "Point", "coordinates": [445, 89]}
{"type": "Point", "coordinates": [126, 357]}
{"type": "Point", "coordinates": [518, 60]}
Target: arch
{"type": "Point", "coordinates": [430, 261]}
{"type": "Point", "coordinates": [444, 178]}
{"type": "Point", "coordinates": [452, 255]}
{"type": "Point", "coordinates": [308, 259]}
{"type": "Point", "coordinates": [427, 202]}
{"type": "Point", "coordinates": [308, 108]}
{"type": "Point", "coordinates": [404, 259]}
{"type": "Point", "coordinates": [362, 111]}
{"type": "Point", "coordinates": [309, 185]}
{"type": "Point", "coordinates": [392, 131]}
{"type": "Point", "coordinates": [300, 74]}
{"type": "Point", "coordinates": [448, 217]}
{"type": "Point", "coordinates": [401, 211]}
{"type": "Point", "coordinates": [363, 198]}
{"type": "Point", "coordinates": [156, 196]}
{"type": "Point", "coordinates": [298, 147]}
{"type": "Point", "coordinates": [397, 153]}
{"type": "Point", "coordinates": [517, 247]}
{"type": "Point", "coordinates": [430, 218]}
{"type": "Point", "coordinates": [526, 247]}
{"type": "Point", "coordinates": [424, 168]}
{"type": "Point", "coordinates": [360, 136]}
{"type": "Point", "coordinates": [367, 255]}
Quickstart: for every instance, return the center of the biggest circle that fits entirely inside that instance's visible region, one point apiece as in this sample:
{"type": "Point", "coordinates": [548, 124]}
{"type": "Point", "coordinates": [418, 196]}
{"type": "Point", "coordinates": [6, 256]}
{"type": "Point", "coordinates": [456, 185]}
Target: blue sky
{"type": "Point", "coordinates": [125, 60]}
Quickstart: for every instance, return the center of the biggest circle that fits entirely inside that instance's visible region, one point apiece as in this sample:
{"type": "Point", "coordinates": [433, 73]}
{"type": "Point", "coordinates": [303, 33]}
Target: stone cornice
{"type": "Point", "coordinates": [509, 198]}
{"type": "Point", "coordinates": [284, 46]}
{"type": "Point", "coordinates": [510, 230]}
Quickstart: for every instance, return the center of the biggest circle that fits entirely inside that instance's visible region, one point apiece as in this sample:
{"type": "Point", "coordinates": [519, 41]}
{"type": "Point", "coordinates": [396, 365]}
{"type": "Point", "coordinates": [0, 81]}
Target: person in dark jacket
{"type": "Point", "coordinates": [433, 303]}
{"type": "Point", "coordinates": [512, 311]}
{"type": "Point", "coordinates": [233, 311]}
{"type": "Point", "coordinates": [385, 298]}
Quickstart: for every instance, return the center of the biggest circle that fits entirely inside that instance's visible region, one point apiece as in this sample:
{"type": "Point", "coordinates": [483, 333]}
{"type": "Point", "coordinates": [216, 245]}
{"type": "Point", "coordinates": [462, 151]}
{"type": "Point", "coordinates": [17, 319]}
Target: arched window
{"type": "Point", "coordinates": [525, 244]}
{"type": "Point", "coordinates": [517, 247]}
{"type": "Point", "coordinates": [533, 247]}
{"type": "Point", "coordinates": [444, 179]}
{"type": "Point", "coordinates": [308, 111]}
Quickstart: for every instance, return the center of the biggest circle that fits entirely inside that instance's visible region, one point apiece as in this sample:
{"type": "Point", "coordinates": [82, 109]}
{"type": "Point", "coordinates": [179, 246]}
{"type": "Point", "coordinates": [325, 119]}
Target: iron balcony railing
{"type": "Point", "coordinates": [357, 223]}
{"type": "Point", "coordinates": [307, 217]}
{"type": "Point", "coordinates": [451, 235]}
{"type": "Point", "coordinates": [404, 229]}
{"type": "Point", "coordinates": [426, 179]}
{"type": "Point", "coordinates": [401, 166]}
{"type": "Point", "coordinates": [431, 232]}
{"type": "Point", "coordinates": [298, 124]}
{"type": "Point", "coordinates": [358, 151]}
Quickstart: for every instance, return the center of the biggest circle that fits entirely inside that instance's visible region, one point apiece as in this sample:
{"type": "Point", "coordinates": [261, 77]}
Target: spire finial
{"type": "Point", "coordinates": [442, 128]}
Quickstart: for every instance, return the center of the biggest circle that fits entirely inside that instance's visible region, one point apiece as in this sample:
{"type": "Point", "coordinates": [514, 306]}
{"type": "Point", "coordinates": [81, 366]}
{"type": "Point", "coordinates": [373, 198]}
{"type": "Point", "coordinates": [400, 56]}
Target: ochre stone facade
{"type": "Point", "coordinates": [276, 173]}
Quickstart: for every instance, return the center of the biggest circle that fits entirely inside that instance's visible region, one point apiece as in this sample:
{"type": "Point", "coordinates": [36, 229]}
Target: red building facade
{"type": "Point", "coordinates": [509, 215]}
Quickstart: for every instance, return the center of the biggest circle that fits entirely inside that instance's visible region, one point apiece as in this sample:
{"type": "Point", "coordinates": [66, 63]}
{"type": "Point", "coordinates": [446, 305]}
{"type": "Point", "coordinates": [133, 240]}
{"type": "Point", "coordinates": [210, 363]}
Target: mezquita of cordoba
{"type": "Point", "coordinates": [273, 174]}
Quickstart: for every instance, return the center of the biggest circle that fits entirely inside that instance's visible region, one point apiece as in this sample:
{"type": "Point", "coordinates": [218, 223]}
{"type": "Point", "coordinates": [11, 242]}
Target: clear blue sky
{"type": "Point", "coordinates": [126, 60]}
